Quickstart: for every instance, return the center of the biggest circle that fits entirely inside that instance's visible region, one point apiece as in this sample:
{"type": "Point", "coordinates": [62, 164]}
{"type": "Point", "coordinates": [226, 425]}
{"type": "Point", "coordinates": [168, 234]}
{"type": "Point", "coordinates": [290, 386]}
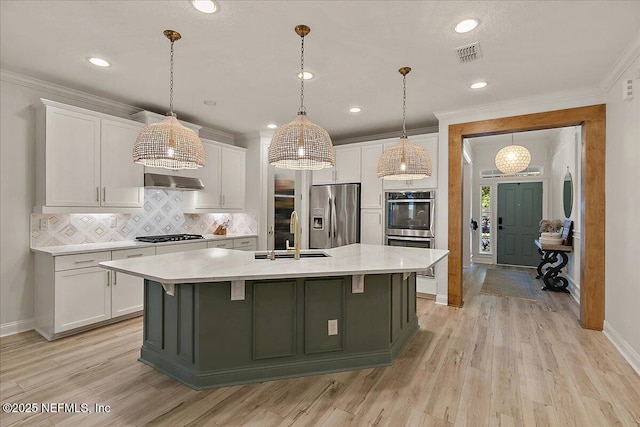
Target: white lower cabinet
{"type": "Point", "coordinates": [72, 292]}
{"type": "Point", "coordinates": [180, 247]}
{"type": "Point", "coordinates": [224, 244]}
{"type": "Point", "coordinates": [82, 297]}
{"type": "Point", "coordinates": [371, 229]}
{"type": "Point", "coordinates": [246, 244]}
{"type": "Point", "coordinates": [127, 291]}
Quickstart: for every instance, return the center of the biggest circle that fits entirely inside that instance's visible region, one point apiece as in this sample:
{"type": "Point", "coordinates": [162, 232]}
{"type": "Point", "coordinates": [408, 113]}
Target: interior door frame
{"type": "Point", "coordinates": [592, 120]}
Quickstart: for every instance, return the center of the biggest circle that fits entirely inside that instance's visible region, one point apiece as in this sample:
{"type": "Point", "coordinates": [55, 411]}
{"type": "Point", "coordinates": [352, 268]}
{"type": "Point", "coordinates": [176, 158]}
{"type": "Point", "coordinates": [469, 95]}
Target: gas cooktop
{"type": "Point", "coordinates": [168, 238]}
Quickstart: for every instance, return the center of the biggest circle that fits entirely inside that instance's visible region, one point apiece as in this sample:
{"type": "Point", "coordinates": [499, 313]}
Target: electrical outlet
{"type": "Point", "coordinates": [113, 221]}
{"type": "Point", "coordinates": [44, 224]}
{"type": "Point", "coordinates": [332, 327]}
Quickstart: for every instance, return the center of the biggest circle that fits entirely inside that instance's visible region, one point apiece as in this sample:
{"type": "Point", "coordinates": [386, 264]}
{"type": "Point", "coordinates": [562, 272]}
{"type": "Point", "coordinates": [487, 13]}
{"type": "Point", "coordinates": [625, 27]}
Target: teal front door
{"type": "Point", "coordinates": [519, 215]}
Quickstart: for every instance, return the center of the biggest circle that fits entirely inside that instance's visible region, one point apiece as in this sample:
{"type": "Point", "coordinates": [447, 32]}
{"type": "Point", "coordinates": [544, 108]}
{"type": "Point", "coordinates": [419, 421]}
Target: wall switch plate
{"type": "Point", "coordinates": [113, 221]}
{"type": "Point", "coordinates": [44, 224]}
{"type": "Point", "coordinates": [332, 327]}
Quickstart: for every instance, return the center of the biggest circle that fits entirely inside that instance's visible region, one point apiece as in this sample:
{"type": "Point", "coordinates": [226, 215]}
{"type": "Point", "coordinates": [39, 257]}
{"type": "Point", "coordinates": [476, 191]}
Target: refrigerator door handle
{"type": "Point", "coordinates": [333, 217]}
{"type": "Point", "coordinates": [330, 225]}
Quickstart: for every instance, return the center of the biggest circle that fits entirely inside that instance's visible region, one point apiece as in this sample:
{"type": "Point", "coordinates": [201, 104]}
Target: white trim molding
{"type": "Point", "coordinates": [574, 289]}
{"type": "Point", "coordinates": [16, 327]}
{"type": "Point", "coordinates": [442, 299]}
{"type": "Point", "coordinates": [513, 107]}
{"type": "Point", "coordinates": [622, 346]}
{"type": "Point", "coordinates": [622, 64]}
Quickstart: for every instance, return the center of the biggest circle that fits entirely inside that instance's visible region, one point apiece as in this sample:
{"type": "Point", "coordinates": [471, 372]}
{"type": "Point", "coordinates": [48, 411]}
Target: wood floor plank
{"type": "Point", "coordinates": [496, 361]}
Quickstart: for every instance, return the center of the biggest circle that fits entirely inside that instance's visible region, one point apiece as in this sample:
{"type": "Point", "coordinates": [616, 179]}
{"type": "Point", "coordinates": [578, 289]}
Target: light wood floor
{"type": "Point", "coordinates": [497, 361]}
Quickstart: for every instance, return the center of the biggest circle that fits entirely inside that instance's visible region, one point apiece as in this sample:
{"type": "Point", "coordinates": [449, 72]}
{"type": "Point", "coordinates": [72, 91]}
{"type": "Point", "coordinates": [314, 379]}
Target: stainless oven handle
{"type": "Point", "coordinates": [330, 217]}
{"type": "Point", "coordinates": [409, 200]}
{"type": "Point", "coordinates": [432, 216]}
{"type": "Point", "coordinates": [412, 239]}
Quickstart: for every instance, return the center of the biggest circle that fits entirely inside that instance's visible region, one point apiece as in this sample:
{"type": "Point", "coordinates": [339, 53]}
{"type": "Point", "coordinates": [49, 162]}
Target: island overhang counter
{"type": "Point", "coordinates": [218, 317]}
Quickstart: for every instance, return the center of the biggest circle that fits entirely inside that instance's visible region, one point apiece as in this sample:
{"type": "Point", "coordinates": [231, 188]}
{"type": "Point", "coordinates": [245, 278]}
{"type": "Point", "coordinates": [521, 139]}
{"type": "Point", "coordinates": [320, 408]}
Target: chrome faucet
{"type": "Point", "coordinates": [294, 227]}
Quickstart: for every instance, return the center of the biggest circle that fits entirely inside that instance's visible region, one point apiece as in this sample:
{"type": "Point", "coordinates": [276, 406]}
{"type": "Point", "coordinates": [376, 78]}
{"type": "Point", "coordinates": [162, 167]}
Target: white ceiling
{"type": "Point", "coordinates": [245, 57]}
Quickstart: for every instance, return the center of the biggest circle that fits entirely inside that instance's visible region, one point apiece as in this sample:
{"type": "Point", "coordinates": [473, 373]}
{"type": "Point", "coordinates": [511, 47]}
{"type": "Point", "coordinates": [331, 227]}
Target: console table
{"type": "Point", "coordinates": [551, 275]}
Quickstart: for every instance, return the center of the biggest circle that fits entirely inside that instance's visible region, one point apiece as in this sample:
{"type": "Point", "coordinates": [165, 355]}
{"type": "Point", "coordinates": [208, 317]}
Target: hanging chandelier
{"type": "Point", "coordinates": [301, 144]}
{"type": "Point", "coordinates": [169, 144]}
{"type": "Point", "coordinates": [404, 160]}
{"type": "Point", "coordinates": [513, 158]}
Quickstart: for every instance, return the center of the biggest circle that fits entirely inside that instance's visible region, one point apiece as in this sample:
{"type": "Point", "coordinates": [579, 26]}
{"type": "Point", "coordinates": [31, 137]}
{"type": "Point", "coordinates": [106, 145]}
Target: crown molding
{"type": "Point", "coordinates": [386, 135]}
{"type": "Point", "coordinates": [622, 64]}
{"type": "Point", "coordinates": [75, 96]}
{"type": "Point", "coordinates": [254, 135]}
{"type": "Point", "coordinates": [118, 108]}
{"type": "Point", "coordinates": [526, 105]}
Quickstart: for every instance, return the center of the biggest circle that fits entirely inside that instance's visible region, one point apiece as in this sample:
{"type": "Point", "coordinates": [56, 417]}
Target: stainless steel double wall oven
{"type": "Point", "coordinates": [409, 220]}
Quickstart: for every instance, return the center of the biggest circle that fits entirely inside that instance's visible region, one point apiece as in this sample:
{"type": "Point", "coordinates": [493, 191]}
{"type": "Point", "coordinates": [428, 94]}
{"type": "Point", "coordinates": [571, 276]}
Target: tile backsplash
{"type": "Point", "coordinates": [162, 214]}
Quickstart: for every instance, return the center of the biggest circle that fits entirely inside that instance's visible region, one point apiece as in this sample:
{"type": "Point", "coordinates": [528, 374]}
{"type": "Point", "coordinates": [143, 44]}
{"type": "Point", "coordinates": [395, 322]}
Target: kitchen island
{"type": "Point", "coordinates": [218, 317]}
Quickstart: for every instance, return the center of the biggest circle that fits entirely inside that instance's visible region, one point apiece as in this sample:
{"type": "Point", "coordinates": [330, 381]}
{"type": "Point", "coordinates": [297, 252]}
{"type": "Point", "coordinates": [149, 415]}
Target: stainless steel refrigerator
{"type": "Point", "coordinates": [334, 215]}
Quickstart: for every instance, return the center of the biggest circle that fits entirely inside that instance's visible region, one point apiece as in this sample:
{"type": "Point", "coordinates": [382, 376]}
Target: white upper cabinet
{"type": "Point", "coordinates": [223, 176]}
{"type": "Point", "coordinates": [121, 178]}
{"type": "Point", "coordinates": [430, 143]}
{"type": "Point", "coordinates": [371, 191]}
{"type": "Point", "coordinates": [210, 177]}
{"type": "Point", "coordinates": [84, 159]}
{"type": "Point", "coordinates": [347, 169]}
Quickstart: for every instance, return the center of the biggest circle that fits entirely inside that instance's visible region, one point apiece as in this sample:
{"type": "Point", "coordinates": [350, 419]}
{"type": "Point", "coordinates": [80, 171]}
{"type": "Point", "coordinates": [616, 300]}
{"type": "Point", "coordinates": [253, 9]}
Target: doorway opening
{"type": "Point", "coordinates": [591, 119]}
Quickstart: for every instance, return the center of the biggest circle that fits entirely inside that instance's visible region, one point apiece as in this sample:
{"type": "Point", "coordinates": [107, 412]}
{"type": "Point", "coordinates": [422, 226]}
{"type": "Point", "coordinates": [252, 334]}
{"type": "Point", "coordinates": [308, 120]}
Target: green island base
{"type": "Point", "coordinates": [202, 338]}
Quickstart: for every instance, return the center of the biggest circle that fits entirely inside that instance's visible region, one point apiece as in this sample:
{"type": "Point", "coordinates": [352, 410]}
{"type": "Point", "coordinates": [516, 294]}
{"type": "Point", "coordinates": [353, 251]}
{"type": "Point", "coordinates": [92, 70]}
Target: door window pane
{"type": "Point", "coordinates": [485, 220]}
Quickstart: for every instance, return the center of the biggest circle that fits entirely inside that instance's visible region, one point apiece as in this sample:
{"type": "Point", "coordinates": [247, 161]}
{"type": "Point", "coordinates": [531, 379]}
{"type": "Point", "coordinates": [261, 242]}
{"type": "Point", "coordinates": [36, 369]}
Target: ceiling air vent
{"type": "Point", "coordinates": [469, 53]}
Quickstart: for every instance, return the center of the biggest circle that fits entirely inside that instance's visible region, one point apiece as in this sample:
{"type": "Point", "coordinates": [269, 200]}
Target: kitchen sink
{"type": "Point", "coordinates": [291, 255]}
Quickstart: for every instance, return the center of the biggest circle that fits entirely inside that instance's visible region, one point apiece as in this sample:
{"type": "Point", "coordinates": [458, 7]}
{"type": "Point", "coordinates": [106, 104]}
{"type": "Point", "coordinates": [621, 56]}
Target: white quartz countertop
{"type": "Point", "coordinates": [218, 265]}
{"type": "Point", "coordinates": [125, 244]}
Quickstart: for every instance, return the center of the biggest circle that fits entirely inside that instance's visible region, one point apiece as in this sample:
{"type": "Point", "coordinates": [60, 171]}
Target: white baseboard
{"type": "Point", "coordinates": [442, 299]}
{"type": "Point", "coordinates": [623, 347]}
{"type": "Point", "coordinates": [574, 289]}
{"type": "Point", "coordinates": [16, 327]}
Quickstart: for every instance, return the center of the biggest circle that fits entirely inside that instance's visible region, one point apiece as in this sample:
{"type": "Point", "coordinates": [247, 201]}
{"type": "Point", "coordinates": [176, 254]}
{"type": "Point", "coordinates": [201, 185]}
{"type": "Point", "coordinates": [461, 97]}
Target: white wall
{"type": "Point", "coordinates": [566, 152]}
{"type": "Point", "coordinates": [622, 226]}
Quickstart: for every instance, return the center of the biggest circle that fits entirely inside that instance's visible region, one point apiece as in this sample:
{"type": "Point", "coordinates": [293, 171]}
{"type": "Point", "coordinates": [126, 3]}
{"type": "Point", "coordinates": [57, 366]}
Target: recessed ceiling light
{"type": "Point", "coordinates": [99, 62]}
{"type": "Point", "coordinates": [305, 75]}
{"type": "Point", "coordinates": [205, 6]}
{"type": "Point", "coordinates": [466, 25]}
{"type": "Point", "coordinates": [272, 126]}
{"type": "Point", "coordinates": [478, 85]}
{"type": "Point", "coordinates": [210, 103]}
{"type": "Point", "coordinates": [355, 109]}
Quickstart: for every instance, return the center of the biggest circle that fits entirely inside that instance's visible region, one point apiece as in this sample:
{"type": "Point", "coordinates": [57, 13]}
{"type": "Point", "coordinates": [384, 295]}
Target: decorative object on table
{"type": "Point", "coordinates": [551, 231]}
{"type": "Point", "coordinates": [509, 283]}
{"type": "Point", "coordinates": [169, 144]}
{"type": "Point", "coordinates": [567, 233]}
{"type": "Point", "coordinates": [513, 158]}
{"type": "Point", "coordinates": [567, 193]}
{"type": "Point", "coordinates": [404, 160]}
{"type": "Point", "coordinates": [301, 144]}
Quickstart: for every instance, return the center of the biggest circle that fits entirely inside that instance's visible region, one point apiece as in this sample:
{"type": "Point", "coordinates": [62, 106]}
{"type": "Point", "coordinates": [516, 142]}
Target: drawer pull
{"type": "Point", "coordinates": [84, 261]}
{"type": "Point", "coordinates": [134, 255]}
{"type": "Point", "coordinates": [246, 242]}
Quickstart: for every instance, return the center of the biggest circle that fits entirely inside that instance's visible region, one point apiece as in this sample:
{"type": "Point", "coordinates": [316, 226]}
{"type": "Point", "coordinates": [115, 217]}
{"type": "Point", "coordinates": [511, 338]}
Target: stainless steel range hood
{"type": "Point", "coordinates": [172, 182]}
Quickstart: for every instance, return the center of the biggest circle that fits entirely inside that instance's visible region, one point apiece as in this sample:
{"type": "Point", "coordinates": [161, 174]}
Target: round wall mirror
{"type": "Point", "coordinates": [567, 193]}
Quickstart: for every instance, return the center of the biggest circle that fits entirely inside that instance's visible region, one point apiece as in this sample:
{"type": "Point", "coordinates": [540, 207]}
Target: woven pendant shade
{"type": "Point", "coordinates": [416, 161]}
{"type": "Point", "coordinates": [169, 145]}
{"type": "Point", "coordinates": [513, 159]}
{"type": "Point", "coordinates": [301, 144]}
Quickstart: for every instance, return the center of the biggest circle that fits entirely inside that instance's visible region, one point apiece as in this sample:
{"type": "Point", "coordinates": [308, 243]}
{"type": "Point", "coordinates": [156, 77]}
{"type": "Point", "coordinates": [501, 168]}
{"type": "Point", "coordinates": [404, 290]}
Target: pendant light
{"type": "Point", "coordinates": [169, 144]}
{"type": "Point", "coordinates": [301, 144]}
{"type": "Point", "coordinates": [404, 160]}
{"type": "Point", "coordinates": [513, 158]}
